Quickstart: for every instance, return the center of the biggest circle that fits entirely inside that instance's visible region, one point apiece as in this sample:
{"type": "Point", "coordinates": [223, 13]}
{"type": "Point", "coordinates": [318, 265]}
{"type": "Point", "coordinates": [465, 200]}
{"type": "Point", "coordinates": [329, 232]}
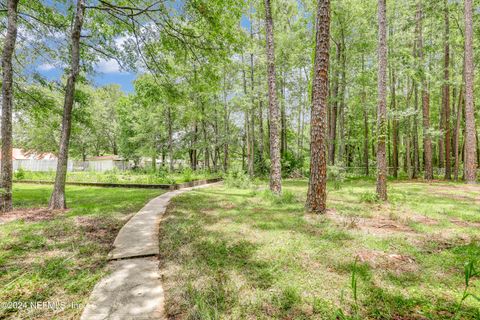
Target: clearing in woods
{"type": "Point", "coordinates": [241, 253]}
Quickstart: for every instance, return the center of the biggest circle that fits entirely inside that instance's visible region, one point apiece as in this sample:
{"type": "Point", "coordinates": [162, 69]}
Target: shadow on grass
{"type": "Point", "coordinates": [210, 265]}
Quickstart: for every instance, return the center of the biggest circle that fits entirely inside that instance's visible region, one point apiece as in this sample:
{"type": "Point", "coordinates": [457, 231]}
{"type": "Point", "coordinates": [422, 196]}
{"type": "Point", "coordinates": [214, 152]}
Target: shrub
{"type": "Point", "coordinates": [337, 175]}
{"type": "Point", "coordinates": [111, 178]}
{"type": "Point", "coordinates": [288, 298]}
{"type": "Point", "coordinates": [19, 174]}
{"type": "Point", "coordinates": [292, 166]}
{"type": "Point", "coordinates": [369, 197]}
{"type": "Point", "coordinates": [286, 197]}
{"type": "Point", "coordinates": [187, 174]}
{"type": "Point", "coordinates": [238, 179]}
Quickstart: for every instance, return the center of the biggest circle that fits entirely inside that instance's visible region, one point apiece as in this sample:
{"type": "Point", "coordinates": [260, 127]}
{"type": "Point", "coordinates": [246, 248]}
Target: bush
{"type": "Point", "coordinates": [187, 174]}
{"type": "Point", "coordinates": [238, 179]}
{"type": "Point", "coordinates": [369, 197]}
{"type": "Point", "coordinates": [292, 166]}
{"type": "Point", "coordinates": [19, 174]}
{"type": "Point", "coordinates": [286, 197]}
{"type": "Point", "coordinates": [337, 175]}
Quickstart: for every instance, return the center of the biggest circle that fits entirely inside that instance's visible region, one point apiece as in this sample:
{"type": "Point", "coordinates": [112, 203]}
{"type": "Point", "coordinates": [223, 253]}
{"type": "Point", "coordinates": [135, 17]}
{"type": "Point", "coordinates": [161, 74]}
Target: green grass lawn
{"type": "Point", "coordinates": [116, 176]}
{"type": "Point", "coordinates": [244, 254]}
{"type": "Point", "coordinates": [58, 257]}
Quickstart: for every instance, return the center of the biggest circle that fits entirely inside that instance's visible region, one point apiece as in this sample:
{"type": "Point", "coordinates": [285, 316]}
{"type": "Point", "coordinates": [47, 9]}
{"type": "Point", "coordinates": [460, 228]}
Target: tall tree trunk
{"type": "Point", "coordinates": [216, 152]}
{"type": "Point", "coordinates": [206, 162]}
{"type": "Point", "coordinates": [382, 101]}
{"type": "Point", "coordinates": [394, 127]}
{"type": "Point", "coordinates": [343, 85]}
{"type": "Point", "coordinates": [275, 167]}
{"type": "Point", "coordinates": [365, 123]}
{"type": "Point", "coordinates": [427, 140]}
{"type": "Point", "coordinates": [283, 117]}
{"type": "Point", "coordinates": [470, 144]}
{"type": "Point", "coordinates": [408, 135]}
{"type": "Point", "coordinates": [416, 147]}
{"type": "Point", "coordinates": [194, 158]}
{"type": "Point", "coordinates": [456, 140]}
{"type": "Point", "coordinates": [57, 200]}
{"type": "Point", "coordinates": [317, 187]}
{"type": "Point", "coordinates": [251, 168]}
{"type": "Point", "coordinates": [441, 137]}
{"type": "Point", "coordinates": [248, 139]}
{"type": "Point", "coordinates": [332, 126]}
{"type": "Point", "coordinates": [446, 95]}
{"type": "Point", "coordinates": [300, 112]}
{"type": "Point", "coordinates": [261, 145]}
{"type": "Point", "coordinates": [170, 138]}
{"type": "Point", "coordinates": [7, 107]}
{"type": "Point", "coordinates": [225, 124]}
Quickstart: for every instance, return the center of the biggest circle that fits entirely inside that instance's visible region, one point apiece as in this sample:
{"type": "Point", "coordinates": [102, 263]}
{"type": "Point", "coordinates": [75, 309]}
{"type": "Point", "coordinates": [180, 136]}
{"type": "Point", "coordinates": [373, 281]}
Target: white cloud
{"type": "Point", "coordinates": [46, 67]}
{"type": "Point", "coordinates": [108, 66]}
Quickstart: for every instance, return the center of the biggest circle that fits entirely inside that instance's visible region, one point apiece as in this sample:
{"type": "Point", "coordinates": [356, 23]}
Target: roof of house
{"type": "Point", "coordinates": [107, 157]}
{"type": "Point", "coordinates": [20, 154]}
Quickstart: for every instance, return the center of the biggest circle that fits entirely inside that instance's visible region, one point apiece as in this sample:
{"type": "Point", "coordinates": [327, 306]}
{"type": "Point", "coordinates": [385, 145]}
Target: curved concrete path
{"type": "Point", "coordinates": [133, 289]}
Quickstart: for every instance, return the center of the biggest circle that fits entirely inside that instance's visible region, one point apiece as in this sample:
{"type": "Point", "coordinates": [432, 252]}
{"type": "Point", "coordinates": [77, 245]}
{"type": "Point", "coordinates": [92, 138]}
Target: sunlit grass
{"type": "Point", "coordinates": [241, 253]}
{"type": "Point", "coordinates": [61, 258]}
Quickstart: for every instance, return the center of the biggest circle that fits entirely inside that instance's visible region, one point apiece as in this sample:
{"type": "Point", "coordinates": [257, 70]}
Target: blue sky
{"type": "Point", "coordinates": [107, 71]}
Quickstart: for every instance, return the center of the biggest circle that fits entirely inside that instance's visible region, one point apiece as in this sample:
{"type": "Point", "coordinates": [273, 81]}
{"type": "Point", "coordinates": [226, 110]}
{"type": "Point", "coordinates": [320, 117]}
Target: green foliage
{"type": "Point", "coordinates": [187, 174]}
{"type": "Point", "coordinates": [470, 274]}
{"type": "Point", "coordinates": [292, 166]}
{"type": "Point", "coordinates": [237, 178]}
{"type": "Point", "coordinates": [286, 197]}
{"type": "Point", "coordinates": [288, 298]}
{"type": "Point", "coordinates": [19, 174]}
{"type": "Point", "coordinates": [144, 176]}
{"type": "Point", "coordinates": [369, 197]}
{"type": "Point", "coordinates": [336, 174]}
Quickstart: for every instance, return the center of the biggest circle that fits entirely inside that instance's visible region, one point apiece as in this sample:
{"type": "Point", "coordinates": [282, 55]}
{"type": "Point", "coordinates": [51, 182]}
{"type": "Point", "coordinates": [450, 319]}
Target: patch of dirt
{"type": "Point", "coordinates": [462, 223]}
{"type": "Point", "coordinates": [392, 261]}
{"type": "Point", "coordinates": [438, 243]}
{"type": "Point", "coordinates": [459, 197]}
{"type": "Point", "coordinates": [100, 230]}
{"type": "Point", "coordinates": [30, 215]}
{"type": "Point", "coordinates": [228, 206]}
{"type": "Point", "coordinates": [379, 226]}
{"type": "Point", "coordinates": [423, 220]}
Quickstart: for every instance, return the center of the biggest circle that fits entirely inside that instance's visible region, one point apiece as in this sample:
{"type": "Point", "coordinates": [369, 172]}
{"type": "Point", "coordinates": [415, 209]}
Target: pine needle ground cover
{"type": "Point", "coordinates": [245, 254]}
{"type": "Point", "coordinates": [54, 258]}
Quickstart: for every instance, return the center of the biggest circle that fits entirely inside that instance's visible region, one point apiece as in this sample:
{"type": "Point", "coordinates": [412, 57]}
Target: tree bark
{"type": "Point", "coordinates": [7, 107]}
{"type": "Point", "coordinates": [170, 138]}
{"type": "Point", "coordinates": [317, 187]}
{"type": "Point", "coordinates": [416, 148]}
{"type": "Point", "coordinates": [261, 134]}
{"type": "Point", "coordinates": [427, 141]}
{"type": "Point", "coordinates": [251, 168]}
{"type": "Point", "coordinates": [456, 140]}
{"type": "Point", "coordinates": [394, 127]}
{"type": "Point", "coordinates": [470, 142]}
{"type": "Point", "coordinates": [248, 139]}
{"type": "Point", "coordinates": [275, 167]}
{"type": "Point", "coordinates": [332, 126]}
{"type": "Point", "coordinates": [225, 124]}
{"type": "Point", "coordinates": [283, 119]}
{"type": "Point", "coordinates": [446, 95]}
{"type": "Point", "coordinates": [343, 86]}
{"type": "Point", "coordinates": [382, 101]}
{"type": "Point", "coordinates": [365, 123]}
{"type": "Point", "coordinates": [57, 200]}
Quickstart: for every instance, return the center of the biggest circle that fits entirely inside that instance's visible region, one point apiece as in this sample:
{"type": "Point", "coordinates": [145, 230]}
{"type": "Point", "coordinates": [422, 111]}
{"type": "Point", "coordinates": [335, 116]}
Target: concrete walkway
{"type": "Point", "coordinates": [133, 289]}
